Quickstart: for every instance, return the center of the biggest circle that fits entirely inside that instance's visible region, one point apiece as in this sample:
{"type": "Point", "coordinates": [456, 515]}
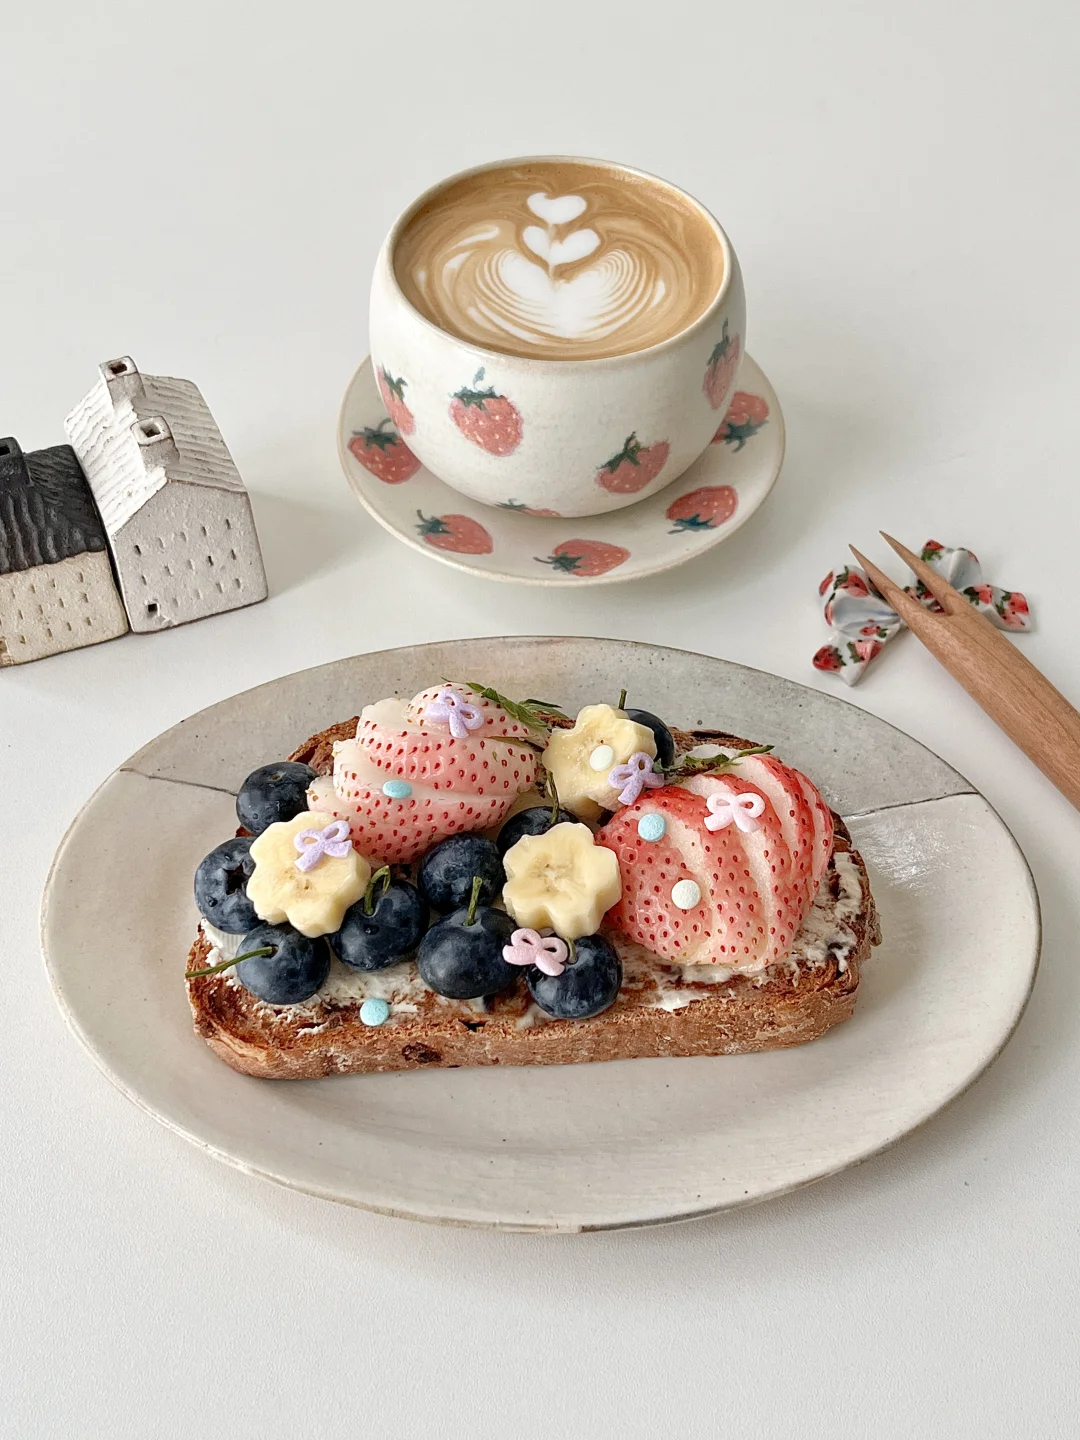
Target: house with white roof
{"type": "Point", "coordinates": [175, 511]}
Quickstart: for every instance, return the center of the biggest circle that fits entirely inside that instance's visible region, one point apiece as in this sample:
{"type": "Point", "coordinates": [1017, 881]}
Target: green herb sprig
{"type": "Point", "coordinates": [689, 765]}
{"type": "Point", "coordinates": [228, 964]}
{"type": "Point", "coordinates": [535, 714]}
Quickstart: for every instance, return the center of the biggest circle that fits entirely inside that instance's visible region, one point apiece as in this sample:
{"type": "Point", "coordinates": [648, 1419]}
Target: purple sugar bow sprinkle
{"type": "Point", "coordinates": [313, 844]}
{"type": "Point", "coordinates": [449, 707]}
{"type": "Point", "coordinates": [634, 777]}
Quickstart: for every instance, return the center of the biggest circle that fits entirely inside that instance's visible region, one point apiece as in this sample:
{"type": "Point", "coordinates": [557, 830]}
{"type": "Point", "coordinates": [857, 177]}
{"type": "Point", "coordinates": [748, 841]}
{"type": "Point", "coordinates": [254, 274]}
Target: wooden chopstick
{"type": "Point", "coordinates": [1016, 695]}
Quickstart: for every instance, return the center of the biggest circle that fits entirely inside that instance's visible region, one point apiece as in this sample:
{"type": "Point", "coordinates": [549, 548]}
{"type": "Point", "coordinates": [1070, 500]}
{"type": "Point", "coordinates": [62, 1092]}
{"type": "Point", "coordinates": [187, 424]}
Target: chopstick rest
{"type": "Point", "coordinates": [1016, 696]}
{"type": "Point", "coordinates": [863, 621]}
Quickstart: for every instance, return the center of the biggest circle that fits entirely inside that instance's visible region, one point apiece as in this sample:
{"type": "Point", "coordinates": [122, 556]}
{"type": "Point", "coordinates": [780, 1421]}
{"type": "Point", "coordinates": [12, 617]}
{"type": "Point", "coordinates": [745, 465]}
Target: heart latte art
{"type": "Point", "coordinates": [560, 260]}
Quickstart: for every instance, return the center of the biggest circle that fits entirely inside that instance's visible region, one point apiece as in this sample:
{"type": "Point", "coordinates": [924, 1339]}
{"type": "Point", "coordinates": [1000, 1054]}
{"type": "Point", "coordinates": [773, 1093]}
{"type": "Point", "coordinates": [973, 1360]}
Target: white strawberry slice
{"type": "Point", "coordinates": [397, 832]}
{"type": "Point", "coordinates": [394, 737]}
{"type": "Point", "coordinates": [453, 785]}
{"type": "Point", "coordinates": [494, 719]}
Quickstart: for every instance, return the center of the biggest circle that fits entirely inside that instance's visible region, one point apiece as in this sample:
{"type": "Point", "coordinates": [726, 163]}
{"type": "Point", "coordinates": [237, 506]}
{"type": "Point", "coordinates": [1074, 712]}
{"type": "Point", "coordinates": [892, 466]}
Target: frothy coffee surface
{"type": "Point", "coordinates": [562, 261]}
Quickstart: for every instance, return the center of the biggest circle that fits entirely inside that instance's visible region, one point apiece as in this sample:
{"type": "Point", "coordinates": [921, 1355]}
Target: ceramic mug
{"type": "Point", "coordinates": [564, 436]}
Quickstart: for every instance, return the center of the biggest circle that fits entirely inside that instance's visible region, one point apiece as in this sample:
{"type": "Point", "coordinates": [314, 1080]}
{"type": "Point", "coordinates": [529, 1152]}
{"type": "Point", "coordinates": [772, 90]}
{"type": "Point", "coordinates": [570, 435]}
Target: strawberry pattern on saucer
{"type": "Point", "coordinates": [522, 540]}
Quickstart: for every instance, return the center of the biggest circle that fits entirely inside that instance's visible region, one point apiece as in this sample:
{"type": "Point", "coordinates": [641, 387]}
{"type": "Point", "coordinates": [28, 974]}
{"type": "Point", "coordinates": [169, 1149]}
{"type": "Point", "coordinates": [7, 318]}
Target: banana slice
{"type": "Point", "coordinates": [312, 900]}
{"type": "Point", "coordinates": [580, 760]}
{"type": "Point", "coordinates": [562, 880]}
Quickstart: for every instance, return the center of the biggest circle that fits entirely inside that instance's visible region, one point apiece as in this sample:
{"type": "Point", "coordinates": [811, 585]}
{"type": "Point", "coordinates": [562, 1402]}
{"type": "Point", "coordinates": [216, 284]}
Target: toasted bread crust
{"type": "Point", "coordinates": [737, 1017]}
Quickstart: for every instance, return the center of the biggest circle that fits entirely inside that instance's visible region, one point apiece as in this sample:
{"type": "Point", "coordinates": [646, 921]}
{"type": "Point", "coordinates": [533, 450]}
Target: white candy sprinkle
{"type": "Point", "coordinates": [602, 758]}
{"type": "Point", "coordinates": [686, 894]}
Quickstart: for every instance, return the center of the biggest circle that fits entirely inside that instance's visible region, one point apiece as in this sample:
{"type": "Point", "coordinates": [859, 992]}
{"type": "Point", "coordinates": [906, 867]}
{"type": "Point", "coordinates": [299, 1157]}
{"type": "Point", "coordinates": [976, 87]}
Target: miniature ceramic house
{"type": "Point", "coordinates": [176, 514]}
{"type": "Point", "coordinates": [56, 583]}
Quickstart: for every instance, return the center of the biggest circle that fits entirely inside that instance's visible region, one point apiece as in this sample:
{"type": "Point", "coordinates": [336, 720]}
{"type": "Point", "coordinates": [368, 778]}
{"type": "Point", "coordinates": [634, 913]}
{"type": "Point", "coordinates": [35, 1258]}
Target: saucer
{"type": "Point", "coordinates": [709, 502]}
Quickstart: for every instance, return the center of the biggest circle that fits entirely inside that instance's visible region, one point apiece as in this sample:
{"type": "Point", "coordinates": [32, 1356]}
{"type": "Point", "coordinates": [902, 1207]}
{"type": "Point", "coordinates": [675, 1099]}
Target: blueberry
{"type": "Point", "coordinates": [665, 741]}
{"type": "Point", "coordinates": [272, 793]}
{"type": "Point", "coordinates": [465, 960]}
{"type": "Point", "coordinates": [446, 873]}
{"type": "Point", "coordinates": [220, 883]}
{"type": "Point", "coordinates": [536, 821]}
{"type": "Point", "coordinates": [394, 926]}
{"type": "Point", "coordinates": [588, 984]}
{"type": "Point", "coordinates": [295, 970]}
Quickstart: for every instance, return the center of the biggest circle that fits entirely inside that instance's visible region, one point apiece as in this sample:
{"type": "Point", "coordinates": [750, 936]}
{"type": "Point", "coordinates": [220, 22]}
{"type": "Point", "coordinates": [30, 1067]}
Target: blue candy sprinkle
{"type": "Point", "coordinates": [396, 790]}
{"type": "Point", "coordinates": [652, 826]}
{"type": "Point", "coordinates": [374, 1012]}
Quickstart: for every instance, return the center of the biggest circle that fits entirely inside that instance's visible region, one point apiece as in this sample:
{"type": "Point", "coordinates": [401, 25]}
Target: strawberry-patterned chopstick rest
{"type": "Point", "coordinates": [863, 621]}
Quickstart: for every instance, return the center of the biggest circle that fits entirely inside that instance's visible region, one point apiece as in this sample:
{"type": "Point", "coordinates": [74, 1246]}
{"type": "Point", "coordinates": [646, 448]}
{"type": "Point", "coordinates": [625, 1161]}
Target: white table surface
{"type": "Point", "coordinates": [205, 187]}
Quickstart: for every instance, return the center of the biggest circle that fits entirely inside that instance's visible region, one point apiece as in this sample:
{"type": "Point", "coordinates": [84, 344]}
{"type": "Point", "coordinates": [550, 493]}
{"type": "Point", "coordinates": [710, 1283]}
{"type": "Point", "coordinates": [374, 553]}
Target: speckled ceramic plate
{"type": "Point", "coordinates": [704, 506]}
{"type": "Point", "coordinates": [577, 1147]}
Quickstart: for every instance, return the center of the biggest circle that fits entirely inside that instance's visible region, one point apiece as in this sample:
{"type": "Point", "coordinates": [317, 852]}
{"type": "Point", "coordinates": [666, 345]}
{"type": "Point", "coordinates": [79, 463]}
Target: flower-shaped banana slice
{"type": "Point", "coordinates": [562, 880]}
{"type": "Point", "coordinates": [287, 884]}
{"type": "Point", "coordinates": [581, 760]}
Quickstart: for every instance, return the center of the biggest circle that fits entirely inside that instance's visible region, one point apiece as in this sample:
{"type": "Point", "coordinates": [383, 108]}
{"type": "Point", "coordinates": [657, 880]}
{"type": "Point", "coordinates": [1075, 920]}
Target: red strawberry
{"type": "Point", "coordinates": [460, 533]}
{"type": "Point", "coordinates": [828, 658]}
{"type": "Point", "coordinates": [720, 371]}
{"type": "Point", "coordinates": [852, 582]}
{"type": "Point", "coordinates": [393, 394]}
{"type": "Point", "coordinates": [585, 557]}
{"type": "Point", "coordinates": [487, 419]}
{"type": "Point", "coordinates": [385, 454]}
{"type": "Point", "coordinates": [520, 508]}
{"type": "Point", "coordinates": [634, 467]}
{"type": "Point", "coordinates": [745, 416]}
{"type": "Point", "coordinates": [703, 509]}
{"type": "Point", "coordinates": [455, 785]}
{"type": "Point", "coordinates": [1013, 609]}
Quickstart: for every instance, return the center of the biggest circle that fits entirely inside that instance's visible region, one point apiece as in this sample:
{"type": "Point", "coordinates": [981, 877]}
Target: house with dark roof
{"type": "Point", "coordinates": [57, 590]}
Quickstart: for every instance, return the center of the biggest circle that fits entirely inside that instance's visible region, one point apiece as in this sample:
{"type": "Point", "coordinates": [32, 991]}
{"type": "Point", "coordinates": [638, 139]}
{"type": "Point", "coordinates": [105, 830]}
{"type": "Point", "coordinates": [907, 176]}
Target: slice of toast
{"type": "Point", "coordinates": [661, 1010]}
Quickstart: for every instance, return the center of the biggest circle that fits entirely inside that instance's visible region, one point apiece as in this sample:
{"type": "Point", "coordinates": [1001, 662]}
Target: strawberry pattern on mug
{"type": "Point", "coordinates": [720, 371]}
{"type": "Point", "coordinates": [703, 509]}
{"type": "Point", "coordinates": [459, 533]}
{"type": "Point", "coordinates": [486, 418]}
{"type": "Point", "coordinates": [745, 416]}
{"type": "Point", "coordinates": [392, 389]}
{"type": "Point", "coordinates": [633, 467]}
{"type": "Point", "coordinates": [384, 453]}
{"type": "Point", "coordinates": [586, 557]}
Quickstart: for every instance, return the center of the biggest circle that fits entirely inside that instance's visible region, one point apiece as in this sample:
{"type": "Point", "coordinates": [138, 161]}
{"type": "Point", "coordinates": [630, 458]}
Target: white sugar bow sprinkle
{"type": "Point", "coordinates": [315, 843]}
{"type": "Point", "coordinates": [528, 947]}
{"type": "Point", "coordinates": [744, 810]}
{"type": "Point", "coordinates": [450, 707]}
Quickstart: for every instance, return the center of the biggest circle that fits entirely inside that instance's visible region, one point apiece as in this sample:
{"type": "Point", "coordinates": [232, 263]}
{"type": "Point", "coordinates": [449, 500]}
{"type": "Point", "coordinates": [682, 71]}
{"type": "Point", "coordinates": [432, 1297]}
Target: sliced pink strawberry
{"type": "Point", "coordinates": [782, 875]}
{"type": "Point", "coordinates": [729, 925]}
{"type": "Point", "coordinates": [757, 886]}
{"type": "Point", "coordinates": [823, 830]}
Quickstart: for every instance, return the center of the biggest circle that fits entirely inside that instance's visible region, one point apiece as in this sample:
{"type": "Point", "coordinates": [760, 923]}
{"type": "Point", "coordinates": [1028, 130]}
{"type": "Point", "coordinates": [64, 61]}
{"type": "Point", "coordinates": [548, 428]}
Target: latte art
{"type": "Point", "coordinates": [560, 260]}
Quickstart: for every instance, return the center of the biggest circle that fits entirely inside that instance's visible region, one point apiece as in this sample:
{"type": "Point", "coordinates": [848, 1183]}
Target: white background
{"type": "Point", "coordinates": [204, 186]}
